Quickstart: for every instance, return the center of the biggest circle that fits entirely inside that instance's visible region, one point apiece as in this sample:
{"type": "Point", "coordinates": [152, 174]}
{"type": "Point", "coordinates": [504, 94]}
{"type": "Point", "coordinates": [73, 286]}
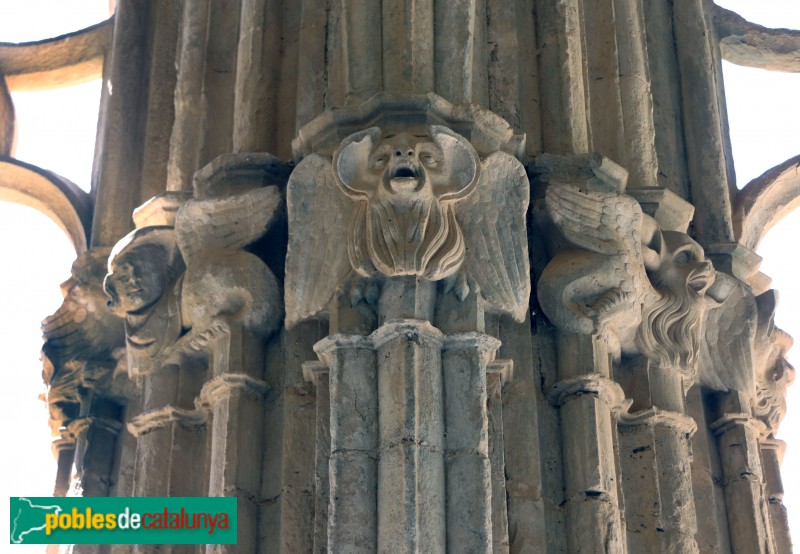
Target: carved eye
{"type": "Point", "coordinates": [427, 159]}
{"type": "Point", "coordinates": [380, 161]}
{"type": "Point", "coordinates": [682, 258]}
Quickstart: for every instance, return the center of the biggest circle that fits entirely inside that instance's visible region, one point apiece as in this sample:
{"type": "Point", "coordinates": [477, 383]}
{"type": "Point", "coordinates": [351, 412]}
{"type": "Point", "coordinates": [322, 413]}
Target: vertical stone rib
{"type": "Point", "coordinates": [637, 100]}
{"type": "Point", "coordinates": [363, 53]}
{"type": "Point", "coordinates": [186, 142]}
{"type": "Point", "coordinates": [236, 405]}
{"type": "Point", "coordinates": [494, 393]}
{"type": "Point", "coordinates": [709, 500]}
{"type": "Point", "coordinates": [529, 92]}
{"type": "Point", "coordinates": [118, 150]}
{"type": "Point", "coordinates": [411, 476]}
{"type": "Point", "coordinates": [353, 472]}
{"type": "Point", "coordinates": [322, 454]}
{"type": "Point", "coordinates": [256, 65]}
{"type": "Point", "coordinates": [285, 105]}
{"type": "Point", "coordinates": [740, 457]}
{"type": "Point", "coordinates": [455, 44]}
{"type": "Point", "coordinates": [586, 397]}
{"type": "Point", "coordinates": [558, 31]}
{"type": "Point", "coordinates": [702, 119]}
{"type": "Point", "coordinates": [408, 46]}
{"type": "Point", "coordinates": [469, 480]}
{"type": "Point", "coordinates": [312, 73]}
{"type": "Point", "coordinates": [161, 99]}
{"type": "Point", "coordinates": [604, 105]}
{"type": "Point", "coordinates": [665, 89]}
{"type": "Point", "coordinates": [219, 79]}
{"type": "Point", "coordinates": [504, 69]}
{"type": "Point", "coordinates": [771, 455]}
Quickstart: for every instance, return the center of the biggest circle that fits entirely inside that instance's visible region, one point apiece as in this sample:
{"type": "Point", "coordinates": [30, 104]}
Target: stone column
{"type": "Point", "coordinates": [353, 472]}
{"type": "Point", "coordinates": [234, 398]}
{"type": "Point", "coordinates": [656, 452]}
{"type": "Point", "coordinates": [771, 457]}
{"type": "Point", "coordinates": [586, 398]}
{"type": "Point", "coordinates": [748, 516]}
{"type": "Point", "coordinates": [64, 452]}
{"type": "Point", "coordinates": [498, 373]}
{"type": "Point", "coordinates": [469, 479]}
{"type": "Point", "coordinates": [317, 374]}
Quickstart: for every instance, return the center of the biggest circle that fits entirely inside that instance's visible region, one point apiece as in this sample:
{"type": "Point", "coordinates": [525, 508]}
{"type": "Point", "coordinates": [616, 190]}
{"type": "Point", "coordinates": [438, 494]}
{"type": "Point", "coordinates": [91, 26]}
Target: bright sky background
{"type": "Point", "coordinates": [56, 130]}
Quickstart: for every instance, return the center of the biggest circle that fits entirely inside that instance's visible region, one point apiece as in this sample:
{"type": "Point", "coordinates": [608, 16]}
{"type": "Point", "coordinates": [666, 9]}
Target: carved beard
{"type": "Point", "coordinates": [670, 330]}
{"type": "Point", "coordinates": [416, 236]}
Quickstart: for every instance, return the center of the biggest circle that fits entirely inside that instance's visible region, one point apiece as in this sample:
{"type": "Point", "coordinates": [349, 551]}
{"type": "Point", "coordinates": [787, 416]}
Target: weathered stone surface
{"type": "Point", "coordinates": [382, 414]}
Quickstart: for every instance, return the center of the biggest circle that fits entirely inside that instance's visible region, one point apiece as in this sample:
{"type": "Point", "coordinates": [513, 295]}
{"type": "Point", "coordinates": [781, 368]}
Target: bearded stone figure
{"type": "Point", "coordinates": [674, 311]}
{"type": "Point", "coordinates": [408, 202]}
{"type": "Point", "coordinates": [622, 277]}
{"type": "Point", "coordinates": [404, 186]}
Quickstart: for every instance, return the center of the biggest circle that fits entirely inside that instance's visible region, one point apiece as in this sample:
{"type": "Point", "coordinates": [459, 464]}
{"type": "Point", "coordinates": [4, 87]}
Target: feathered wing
{"type": "Point", "coordinates": [492, 220]}
{"type": "Point", "coordinates": [229, 222]}
{"type": "Point", "coordinates": [603, 222]}
{"type": "Point", "coordinates": [726, 354]}
{"type": "Point", "coordinates": [317, 260]}
{"type": "Point", "coordinates": [83, 327]}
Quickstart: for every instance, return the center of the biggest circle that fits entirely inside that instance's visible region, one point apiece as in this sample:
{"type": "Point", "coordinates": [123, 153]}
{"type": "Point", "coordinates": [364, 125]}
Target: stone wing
{"type": "Point", "coordinates": [726, 355]}
{"type": "Point", "coordinates": [83, 327]}
{"type": "Point", "coordinates": [317, 260]}
{"type": "Point", "coordinates": [602, 222]}
{"type": "Point", "coordinates": [222, 223]}
{"type": "Point", "coordinates": [493, 221]}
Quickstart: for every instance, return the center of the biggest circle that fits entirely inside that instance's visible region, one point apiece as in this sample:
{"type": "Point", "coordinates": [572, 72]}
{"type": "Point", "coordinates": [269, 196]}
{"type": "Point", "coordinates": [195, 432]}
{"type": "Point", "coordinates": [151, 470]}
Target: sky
{"type": "Point", "coordinates": [56, 130]}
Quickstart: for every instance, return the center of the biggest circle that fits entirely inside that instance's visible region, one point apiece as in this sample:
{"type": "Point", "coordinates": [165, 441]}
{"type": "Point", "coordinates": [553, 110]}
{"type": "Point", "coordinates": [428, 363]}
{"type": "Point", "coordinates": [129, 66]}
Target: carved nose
{"type": "Point", "coordinates": [408, 153]}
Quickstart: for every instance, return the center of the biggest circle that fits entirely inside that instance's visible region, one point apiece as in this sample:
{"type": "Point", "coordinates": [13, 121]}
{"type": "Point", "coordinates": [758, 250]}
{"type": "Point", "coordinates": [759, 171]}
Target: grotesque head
{"type": "Point", "coordinates": [672, 325]}
{"type": "Point", "coordinates": [140, 268]}
{"type": "Point", "coordinates": [403, 184]}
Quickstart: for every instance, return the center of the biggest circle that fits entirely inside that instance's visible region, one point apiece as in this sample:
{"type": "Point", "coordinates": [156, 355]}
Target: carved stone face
{"type": "Point", "coordinates": [404, 185]}
{"type": "Point", "coordinates": [405, 164]}
{"type": "Point", "coordinates": [684, 266]}
{"type": "Point", "coordinates": [137, 278]}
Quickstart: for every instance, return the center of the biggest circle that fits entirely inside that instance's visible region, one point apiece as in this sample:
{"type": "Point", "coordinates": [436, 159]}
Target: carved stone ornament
{"type": "Point", "coordinates": [183, 284]}
{"type": "Point", "coordinates": [83, 338]}
{"type": "Point", "coordinates": [617, 274]}
{"type": "Point", "coordinates": [773, 372]}
{"type": "Point", "coordinates": [143, 284]}
{"type": "Point", "coordinates": [408, 202]}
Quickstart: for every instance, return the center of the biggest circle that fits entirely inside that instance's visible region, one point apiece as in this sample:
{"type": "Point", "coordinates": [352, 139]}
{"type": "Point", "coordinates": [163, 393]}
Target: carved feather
{"type": "Point", "coordinates": [317, 260]}
{"type": "Point", "coordinates": [606, 223]}
{"type": "Point", "coordinates": [230, 222]}
{"type": "Point", "coordinates": [494, 227]}
{"type": "Point", "coordinates": [83, 327]}
{"type": "Point", "coordinates": [726, 354]}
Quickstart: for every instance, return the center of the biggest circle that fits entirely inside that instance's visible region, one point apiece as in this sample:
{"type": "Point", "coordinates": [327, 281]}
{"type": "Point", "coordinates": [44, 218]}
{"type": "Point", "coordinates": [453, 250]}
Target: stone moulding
{"type": "Point", "coordinates": [656, 417]}
{"type": "Point", "coordinates": [486, 131]}
{"type": "Point", "coordinates": [595, 384]}
{"type": "Point", "coordinates": [164, 417]}
{"type": "Point", "coordinates": [730, 420]}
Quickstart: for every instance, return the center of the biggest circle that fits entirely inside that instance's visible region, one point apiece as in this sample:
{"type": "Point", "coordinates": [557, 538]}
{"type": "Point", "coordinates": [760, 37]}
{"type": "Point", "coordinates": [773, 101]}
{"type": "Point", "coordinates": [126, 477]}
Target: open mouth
{"type": "Point", "coordinates": [404, 179]}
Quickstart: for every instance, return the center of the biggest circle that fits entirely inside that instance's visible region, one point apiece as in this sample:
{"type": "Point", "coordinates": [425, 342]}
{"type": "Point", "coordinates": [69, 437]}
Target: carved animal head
{"type": "Point", "coordinates": [404, 185]}
{"type": "Point", "coordinates": [140, 268]}
{"type": "Point", "coordinates": [673, 324]}
{"type": "Point", "coordinates": [773, 371]}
